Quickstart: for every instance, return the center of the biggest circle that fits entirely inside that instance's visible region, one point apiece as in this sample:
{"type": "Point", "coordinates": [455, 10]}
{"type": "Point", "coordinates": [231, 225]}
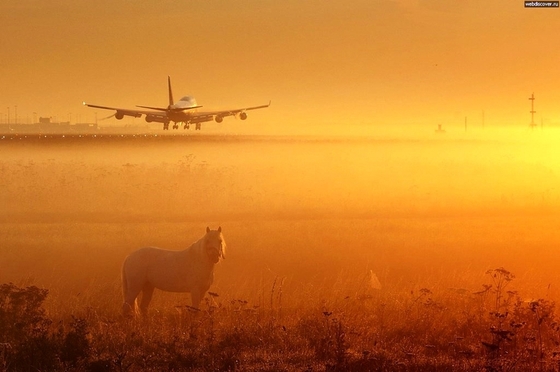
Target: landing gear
{"type": "Point", "coordinates": [165, 126]}
{"type": "Point", "coordinates": [187, 125]}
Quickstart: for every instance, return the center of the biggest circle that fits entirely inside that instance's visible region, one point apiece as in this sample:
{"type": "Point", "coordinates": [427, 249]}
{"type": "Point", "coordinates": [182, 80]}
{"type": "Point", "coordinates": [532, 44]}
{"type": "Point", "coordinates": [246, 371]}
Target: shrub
{"type": "Point", "coordinates": [24, 329]}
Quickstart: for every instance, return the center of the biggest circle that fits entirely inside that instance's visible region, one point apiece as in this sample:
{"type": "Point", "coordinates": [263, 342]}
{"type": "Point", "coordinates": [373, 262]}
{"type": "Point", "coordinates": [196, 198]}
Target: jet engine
{"type": "Point", "coordinates": [157, 119]}
{"type": "Point", "coordinates": [243, 115]}
{"type": "Point", "coordinates": [119, 115]}
{"type": "Point", "coordinates": [219, 119]}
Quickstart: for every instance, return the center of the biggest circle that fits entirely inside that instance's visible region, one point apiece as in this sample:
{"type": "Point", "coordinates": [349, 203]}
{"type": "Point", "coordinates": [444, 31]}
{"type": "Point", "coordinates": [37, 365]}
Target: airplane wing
{"type": "Point", "coordinates": [178, 109]}
{"type": "Point", "coordinates": [223, 113]}
{"type": "Point", "coordinates": [120, 112]}
{"type": "Point", "coordinates": [157, 111]}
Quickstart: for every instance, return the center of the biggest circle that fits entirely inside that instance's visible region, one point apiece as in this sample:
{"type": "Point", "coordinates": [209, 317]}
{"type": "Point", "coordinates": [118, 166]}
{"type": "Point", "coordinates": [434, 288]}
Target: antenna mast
{"type": "Point", "coordinates": [532, 99]}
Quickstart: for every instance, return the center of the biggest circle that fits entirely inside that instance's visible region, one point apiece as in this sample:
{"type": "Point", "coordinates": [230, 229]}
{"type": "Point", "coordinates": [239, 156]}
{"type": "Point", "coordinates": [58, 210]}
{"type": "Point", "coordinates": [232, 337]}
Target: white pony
{"type": "Point", "coordinates": [190, 270]}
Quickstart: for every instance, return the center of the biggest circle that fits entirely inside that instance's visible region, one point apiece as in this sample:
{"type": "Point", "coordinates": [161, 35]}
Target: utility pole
{"type": "Point", "coordinates": [532, 99]}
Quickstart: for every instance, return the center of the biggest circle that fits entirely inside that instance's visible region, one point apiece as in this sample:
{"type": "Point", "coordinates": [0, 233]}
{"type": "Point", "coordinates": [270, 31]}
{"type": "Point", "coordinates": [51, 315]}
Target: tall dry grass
{"type": "Point", "coordinates": [427, 329]}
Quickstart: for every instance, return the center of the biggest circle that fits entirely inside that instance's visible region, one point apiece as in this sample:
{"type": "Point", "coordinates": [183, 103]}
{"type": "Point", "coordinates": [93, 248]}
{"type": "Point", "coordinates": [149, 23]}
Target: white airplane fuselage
{"type": "Point", "coordinates": [184, 103]}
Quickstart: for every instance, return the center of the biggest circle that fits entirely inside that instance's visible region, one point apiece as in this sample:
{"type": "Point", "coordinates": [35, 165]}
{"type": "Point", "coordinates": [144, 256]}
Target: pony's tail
{"type": "Point", "coordinates": [124, 283]}
{"type": "Point", "coordinates": [127, 309]}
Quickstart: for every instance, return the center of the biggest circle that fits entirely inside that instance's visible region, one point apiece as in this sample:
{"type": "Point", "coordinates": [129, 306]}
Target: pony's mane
{"type": "Point", "coordinates": [197, 246]}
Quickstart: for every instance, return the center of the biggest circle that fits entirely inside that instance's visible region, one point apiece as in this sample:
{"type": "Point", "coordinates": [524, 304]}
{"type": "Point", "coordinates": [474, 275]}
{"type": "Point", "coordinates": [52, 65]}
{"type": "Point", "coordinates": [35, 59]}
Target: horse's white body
{"type": "Point", "coordinates": [190, 270]}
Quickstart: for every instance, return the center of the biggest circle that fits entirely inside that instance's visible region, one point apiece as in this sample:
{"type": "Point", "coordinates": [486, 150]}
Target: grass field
{"type": "Point", "coordinates": [343, 254]}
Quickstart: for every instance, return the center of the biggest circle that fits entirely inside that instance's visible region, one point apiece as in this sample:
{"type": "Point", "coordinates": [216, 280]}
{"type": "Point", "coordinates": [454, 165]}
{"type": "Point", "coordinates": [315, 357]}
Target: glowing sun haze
{"type": "Point", "coordinates": [360, 61]}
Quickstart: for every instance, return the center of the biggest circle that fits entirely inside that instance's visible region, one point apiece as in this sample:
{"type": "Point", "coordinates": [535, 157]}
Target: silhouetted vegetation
{"type": "Point", "coordinates": [29, 340]}
{"type": "Point", "coordinates": [425, 330]}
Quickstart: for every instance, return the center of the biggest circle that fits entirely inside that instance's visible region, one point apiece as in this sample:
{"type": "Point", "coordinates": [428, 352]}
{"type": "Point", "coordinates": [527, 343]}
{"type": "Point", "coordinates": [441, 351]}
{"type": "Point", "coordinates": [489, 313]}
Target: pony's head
{"type": "Point", "coordinates": [214, 244]}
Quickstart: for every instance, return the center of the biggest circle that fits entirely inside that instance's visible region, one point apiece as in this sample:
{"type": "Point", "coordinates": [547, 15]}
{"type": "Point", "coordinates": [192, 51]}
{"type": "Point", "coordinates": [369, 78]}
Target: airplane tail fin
{"type": "Point", "coordinates": [171, 102]}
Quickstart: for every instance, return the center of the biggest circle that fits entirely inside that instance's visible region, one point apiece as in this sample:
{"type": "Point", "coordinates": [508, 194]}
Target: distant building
{"type": "Point", "coordinates": [45, 125]}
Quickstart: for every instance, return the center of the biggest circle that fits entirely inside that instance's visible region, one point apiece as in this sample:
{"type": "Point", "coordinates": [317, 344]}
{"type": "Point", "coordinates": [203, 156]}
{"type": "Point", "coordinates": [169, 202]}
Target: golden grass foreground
{"type": "Point", "coordinates": [424, 329]}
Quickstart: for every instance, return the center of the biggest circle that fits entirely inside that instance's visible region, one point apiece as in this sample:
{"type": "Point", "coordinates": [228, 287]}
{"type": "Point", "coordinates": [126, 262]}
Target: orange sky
{"type": "Point", "coordinates": [365, 61]}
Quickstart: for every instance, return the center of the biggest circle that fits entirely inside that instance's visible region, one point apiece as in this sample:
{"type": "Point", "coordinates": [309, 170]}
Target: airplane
{"type": "Point", "coordinates": [183, 112]}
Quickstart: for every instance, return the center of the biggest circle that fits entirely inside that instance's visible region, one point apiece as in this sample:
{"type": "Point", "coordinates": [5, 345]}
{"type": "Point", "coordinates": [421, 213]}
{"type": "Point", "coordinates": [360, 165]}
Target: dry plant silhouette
{"type": "Point", "coordinates": [423, 329]}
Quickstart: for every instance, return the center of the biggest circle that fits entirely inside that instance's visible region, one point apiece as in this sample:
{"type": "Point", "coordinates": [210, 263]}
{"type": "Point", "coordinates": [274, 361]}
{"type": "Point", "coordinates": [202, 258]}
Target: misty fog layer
{"type": "Point", "coordinates": [225, 177]}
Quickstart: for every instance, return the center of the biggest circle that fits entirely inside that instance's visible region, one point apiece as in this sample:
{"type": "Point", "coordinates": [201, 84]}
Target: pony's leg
{"type": "Point", "coordinates": [147, 293]}
{"type": "Point", "coordinates": [129, 305]}
{"type": "Point", "coordinates": [127, 309]}
{"type": "Point", "coordinates": [196, 297]}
